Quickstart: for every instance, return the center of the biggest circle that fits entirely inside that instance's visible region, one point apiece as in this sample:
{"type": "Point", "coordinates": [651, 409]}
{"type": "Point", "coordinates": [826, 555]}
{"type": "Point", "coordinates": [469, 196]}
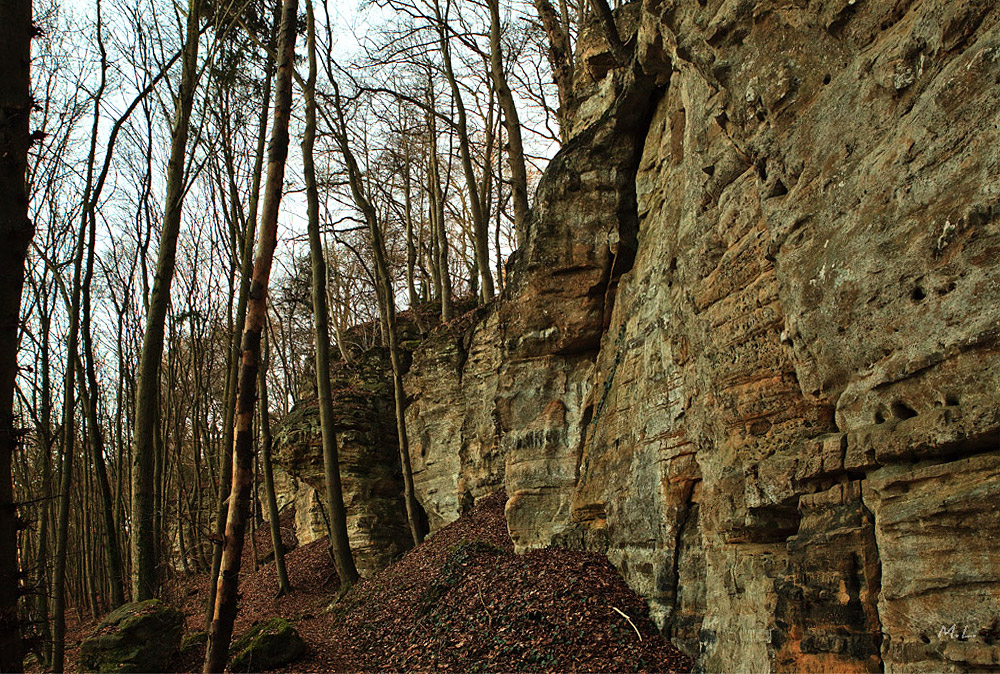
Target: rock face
{"type": "Point", "coordinates": [451, 417]}
{"type": "Point", "coordinates": [138, 637]}
{"type": "Point", "coordinates": [749, 348]}
{"type": "Point", "coordinates": [369, 463]}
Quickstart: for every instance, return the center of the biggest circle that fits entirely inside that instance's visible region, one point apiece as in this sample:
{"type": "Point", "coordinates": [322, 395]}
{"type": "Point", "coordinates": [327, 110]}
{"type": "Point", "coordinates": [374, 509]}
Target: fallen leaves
{"type": "Point", "coordinates": [463, 601]}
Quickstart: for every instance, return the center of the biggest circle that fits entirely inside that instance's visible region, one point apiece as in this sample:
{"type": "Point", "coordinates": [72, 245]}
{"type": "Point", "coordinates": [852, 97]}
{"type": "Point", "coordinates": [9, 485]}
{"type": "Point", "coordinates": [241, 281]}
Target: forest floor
{"type": "Point", "coordinates": [462, 601]}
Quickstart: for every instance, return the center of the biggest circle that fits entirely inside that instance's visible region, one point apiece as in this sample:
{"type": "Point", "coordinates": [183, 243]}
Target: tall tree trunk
{"type": "Point", "coordinates": [607, 18]}
{"type": "Point", "coordinates": [144, 538]}
{"type": "Point", "coordinates": [340, 545]}
{"type": "Point", "coordinates": [387, 308]}
{"type": "Point", "coordinates": [512, 123]}
{"type": "Point", "coordinates": [411, 246]}
{"type": "Point", "coordinates": [560, 59]}
{"type": "Point", "coordinates": [480, 226]}
{"type": "Point", "coordinates": [16, 231]}
{"type": "Point", "coordinates": [91, 396]}
{"type": "Point", "coordinates": [221, 629]}
{"type": "Point", "coordinates": [45, 437]}
{"type": "Point", "coordinates": [246, 266]}
{"type": "Point", "coordinates": [439, 237]}
{"type": "Point", "coordinates": [266, 440]}
{"type": "Point", "coordinates": [69, 398]}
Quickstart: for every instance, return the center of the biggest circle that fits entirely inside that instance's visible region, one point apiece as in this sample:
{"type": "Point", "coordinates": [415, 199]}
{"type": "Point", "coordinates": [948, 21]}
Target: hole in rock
{"type": "Point", "coordinates": [879, 417]}
{"type": "Point", "coordinates": [918, 294]}
{"type": "Point", "coordinates": [951, 400]}
{"type": "Point", "coordinates": [778, 189]}
{"type": "Point", "coordinates": [901, 410]}
{"type": "Point", "coordinates": [826, 78]}
{"type": "Point", "coordinates": [709, 170]}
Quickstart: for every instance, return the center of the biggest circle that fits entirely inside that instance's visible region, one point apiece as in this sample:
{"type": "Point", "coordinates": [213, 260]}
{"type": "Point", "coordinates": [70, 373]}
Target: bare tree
{"type": "Point", "coordinates": [340, 545]}
{"type": "Point", "coordinates": [387, 307]}
{"type": "Point", "coordinates": [144, 576]}
{"type": "Point", "coordinates": [512, 123]}
{"type": "Point", "coordinates": [221, 629]}
{"type": "Point", "coordinates": [16, 230]}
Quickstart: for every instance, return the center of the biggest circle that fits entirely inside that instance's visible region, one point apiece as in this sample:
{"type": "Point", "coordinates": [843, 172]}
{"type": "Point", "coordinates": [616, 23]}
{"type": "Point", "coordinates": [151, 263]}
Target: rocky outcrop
{"type": "Point", "coordinates": [451, 417]}
{"type": "Point", "coordinates": [265, 646]}
{"type": "Point", "coordinates": [138, 637]}
{"type": "Point", "coordinates": [369, 463]}
{"type": "Point", "coordinates": [749, 348]}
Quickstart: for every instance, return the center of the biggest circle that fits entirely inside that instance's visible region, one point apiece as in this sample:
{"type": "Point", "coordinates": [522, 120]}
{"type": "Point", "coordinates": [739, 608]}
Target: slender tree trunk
{"type": "Point", "coordinates": [607, 18]}
{"type": "Point", "coordinates": [480, 226]}
{"type": "Point", "coordinates": [266, 440]}
{"type": "Point", "coordinates": [45, 437]}
{"type": "Point", "coordinates": [560, 59]}
{"type": "Point", "coordinates": [69, 398]}
{"type": "Point", "coordinates": [340, 545]}
{"type": "Point", "coordinates": [411, 247]}
{"type": "Point", "coordinates": [439, 239]}
{"type": "Point", "coordinates": [92, 396]}
{"type": "Point", "coordinates": [512, 123]}
{"type": "Point", "coordinates": [246, 262]}
{"type": "Point", "coordinates": [221, 629]}
{"type": "Point", "coordinates": [144, 538]}
{"type": "Point", "coordinates": [16, 231]}
{"type": "Point", "coordinates": [387, 308]}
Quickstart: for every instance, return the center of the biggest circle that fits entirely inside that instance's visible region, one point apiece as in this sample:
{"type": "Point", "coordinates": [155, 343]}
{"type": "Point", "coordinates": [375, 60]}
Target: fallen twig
{"type": "Point", "coordinates": [622, 614]}
{"type": "Point", "coordinates": [489, 616]}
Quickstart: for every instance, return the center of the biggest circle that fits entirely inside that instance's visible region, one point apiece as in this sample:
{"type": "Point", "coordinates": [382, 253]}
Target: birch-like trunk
{"type": "Point", "coordinates": [221, 629]}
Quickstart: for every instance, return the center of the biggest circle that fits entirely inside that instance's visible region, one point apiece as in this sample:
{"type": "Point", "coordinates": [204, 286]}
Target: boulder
{"type": "Point", "coordinates": [266, 645]}
{"type": "Point", "coordinates": [138, 637]}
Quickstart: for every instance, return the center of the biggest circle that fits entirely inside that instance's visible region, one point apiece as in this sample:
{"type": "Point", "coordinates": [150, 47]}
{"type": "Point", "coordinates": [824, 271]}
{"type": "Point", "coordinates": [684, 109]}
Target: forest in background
{"type": "Point", "coordinates": [173, 155]}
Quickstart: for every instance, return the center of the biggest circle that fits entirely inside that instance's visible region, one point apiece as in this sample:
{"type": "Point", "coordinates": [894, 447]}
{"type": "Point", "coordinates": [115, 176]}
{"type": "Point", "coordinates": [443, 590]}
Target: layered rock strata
{"type": "Point", "coordinates": [749, 346]}
{"type": "Point", "coordinates": [369, 463]}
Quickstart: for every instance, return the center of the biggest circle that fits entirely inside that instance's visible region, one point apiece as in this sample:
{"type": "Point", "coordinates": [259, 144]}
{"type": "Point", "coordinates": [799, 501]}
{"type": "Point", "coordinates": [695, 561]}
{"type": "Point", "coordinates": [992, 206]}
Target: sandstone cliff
{"type": "Point", "coordinates": [369, 463]}
{"type": "Point", "coordinates": [749, 348]}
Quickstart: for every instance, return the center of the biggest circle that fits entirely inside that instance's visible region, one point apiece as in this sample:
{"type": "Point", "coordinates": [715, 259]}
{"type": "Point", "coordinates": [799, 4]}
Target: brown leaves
{"type": "Point", "coordinates": [463, 601]}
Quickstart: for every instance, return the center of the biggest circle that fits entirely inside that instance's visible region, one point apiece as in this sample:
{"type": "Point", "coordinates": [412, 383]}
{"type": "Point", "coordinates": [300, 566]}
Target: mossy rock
{"type": "Point", "coordinates": [194, 641]}
{"type": "Point", "coordinates": [138, 637]}
{"type": "Point", "coordinates": [265, 646]}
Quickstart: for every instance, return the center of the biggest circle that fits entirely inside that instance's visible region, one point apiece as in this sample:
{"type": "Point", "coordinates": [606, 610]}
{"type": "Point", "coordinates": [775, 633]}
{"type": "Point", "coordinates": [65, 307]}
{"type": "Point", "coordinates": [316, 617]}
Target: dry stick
{"type": "Point", "coordinates": [489, 616]}
{"type": "Point", "coordinates": [629, 622]}
{"type": "Point", "coordinates": [221, 629]}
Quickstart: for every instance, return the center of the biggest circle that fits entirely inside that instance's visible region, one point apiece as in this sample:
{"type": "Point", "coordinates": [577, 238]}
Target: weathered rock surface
{"type": "Point", "coordinates": [137, 637]}
{"type": "Point", "coordinates": [452, 419]}
{"type": "Point", "coordinates": [266, 645]}
{"type": "Point", "coordinates": [369, 463]}
{"type": "Point", "coordinates": [749, 348]}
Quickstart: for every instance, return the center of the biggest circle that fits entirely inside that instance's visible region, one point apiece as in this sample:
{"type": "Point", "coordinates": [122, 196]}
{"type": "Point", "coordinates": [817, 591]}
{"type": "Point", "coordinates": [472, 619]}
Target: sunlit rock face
{"type": "Point", "coordinates": [369, 463]}
{"type": "Point", "coordinates": [749, 347]}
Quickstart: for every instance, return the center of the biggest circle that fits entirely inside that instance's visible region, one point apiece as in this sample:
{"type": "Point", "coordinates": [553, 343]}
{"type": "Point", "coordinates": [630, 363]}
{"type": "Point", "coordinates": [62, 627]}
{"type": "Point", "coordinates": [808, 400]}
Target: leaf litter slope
{"type": "Point", "coordinates": [463, 601]}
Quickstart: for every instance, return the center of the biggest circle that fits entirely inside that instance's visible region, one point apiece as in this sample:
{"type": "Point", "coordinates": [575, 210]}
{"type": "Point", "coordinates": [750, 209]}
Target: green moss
{"type": "Point", "coordinates": [137, 637]}
{"type": "Point", "coordinates": [266, 645]}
